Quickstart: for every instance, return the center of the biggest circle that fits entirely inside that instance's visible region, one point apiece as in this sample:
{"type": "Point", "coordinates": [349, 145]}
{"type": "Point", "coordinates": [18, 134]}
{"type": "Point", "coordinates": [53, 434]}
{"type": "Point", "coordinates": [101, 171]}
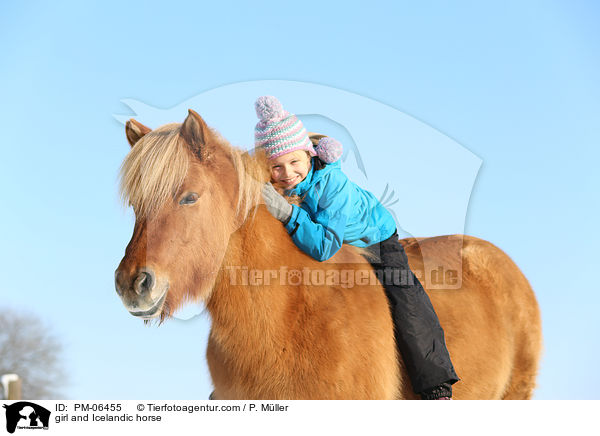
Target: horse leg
{"type": "Point", "coordinates": [524, 373]}
{"type": "Point", "coordinates": [521, 385]}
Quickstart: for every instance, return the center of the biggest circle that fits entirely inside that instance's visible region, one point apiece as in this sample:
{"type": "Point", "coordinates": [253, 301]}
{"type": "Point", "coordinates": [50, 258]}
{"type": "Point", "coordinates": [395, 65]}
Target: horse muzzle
{"type": "Point", "coordinates": [142, 293]}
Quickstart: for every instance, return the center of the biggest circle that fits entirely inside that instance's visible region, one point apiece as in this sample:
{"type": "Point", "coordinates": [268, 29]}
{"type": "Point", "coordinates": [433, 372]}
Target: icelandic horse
{"type": "Point", "coordinates": [201, 226]}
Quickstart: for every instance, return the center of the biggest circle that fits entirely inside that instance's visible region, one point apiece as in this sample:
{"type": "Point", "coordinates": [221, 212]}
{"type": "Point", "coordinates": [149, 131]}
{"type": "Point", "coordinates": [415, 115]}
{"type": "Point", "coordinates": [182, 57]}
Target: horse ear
{"type": "Point", "coordinates": [194, 131]}
{"type": "Point", "coordinates": [135, 131]}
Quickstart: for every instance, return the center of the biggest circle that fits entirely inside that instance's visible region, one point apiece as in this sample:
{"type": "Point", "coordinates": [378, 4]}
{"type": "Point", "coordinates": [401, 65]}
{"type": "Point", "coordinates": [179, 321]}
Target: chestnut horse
{"type": "Point", "coordinates": [285, 326]}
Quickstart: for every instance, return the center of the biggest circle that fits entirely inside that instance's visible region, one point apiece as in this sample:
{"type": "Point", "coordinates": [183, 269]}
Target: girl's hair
{"type": "Point", "coordinates": [319, 164]}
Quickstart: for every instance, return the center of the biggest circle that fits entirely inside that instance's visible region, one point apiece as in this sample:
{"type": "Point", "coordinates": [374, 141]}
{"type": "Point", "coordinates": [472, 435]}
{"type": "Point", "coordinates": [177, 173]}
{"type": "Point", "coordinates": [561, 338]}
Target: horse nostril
{"type": "Point", "coordinates": [143, 282]}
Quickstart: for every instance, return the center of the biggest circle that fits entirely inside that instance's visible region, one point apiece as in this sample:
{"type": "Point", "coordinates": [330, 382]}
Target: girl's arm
{"type": "Point", "coordinates": [317, 227]}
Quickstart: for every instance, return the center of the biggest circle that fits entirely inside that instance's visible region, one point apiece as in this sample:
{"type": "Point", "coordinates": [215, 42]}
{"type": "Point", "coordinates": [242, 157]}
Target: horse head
{"type": "Point", "coordinates": [187, 187]}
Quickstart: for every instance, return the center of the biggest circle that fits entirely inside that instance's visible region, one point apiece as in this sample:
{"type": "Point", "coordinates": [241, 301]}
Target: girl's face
{"type": "Point", "coordinates": [290, 169]}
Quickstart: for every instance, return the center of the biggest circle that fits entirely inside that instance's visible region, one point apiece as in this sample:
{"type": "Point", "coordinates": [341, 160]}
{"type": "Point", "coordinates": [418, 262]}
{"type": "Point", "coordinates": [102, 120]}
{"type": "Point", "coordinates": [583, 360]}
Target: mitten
{"type": "Point", "coordinates": [276, 203]}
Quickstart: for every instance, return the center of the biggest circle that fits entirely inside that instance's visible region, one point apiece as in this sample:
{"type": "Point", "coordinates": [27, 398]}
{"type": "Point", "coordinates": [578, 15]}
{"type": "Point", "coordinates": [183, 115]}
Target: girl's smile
{"type": "Point", "coordinates": [290, 169]}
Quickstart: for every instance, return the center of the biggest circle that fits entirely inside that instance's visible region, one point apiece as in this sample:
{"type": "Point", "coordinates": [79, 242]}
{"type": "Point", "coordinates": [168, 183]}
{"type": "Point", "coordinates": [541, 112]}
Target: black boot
{"type": "Point", "coordinates": [441, 392]}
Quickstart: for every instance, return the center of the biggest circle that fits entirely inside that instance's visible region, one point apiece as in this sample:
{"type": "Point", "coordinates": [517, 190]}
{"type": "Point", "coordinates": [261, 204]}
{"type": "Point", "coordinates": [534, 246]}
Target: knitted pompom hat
{"type": "Point", "coordinates": [278, 132]}
{"type": "Point", "coordinates": [329, 150]}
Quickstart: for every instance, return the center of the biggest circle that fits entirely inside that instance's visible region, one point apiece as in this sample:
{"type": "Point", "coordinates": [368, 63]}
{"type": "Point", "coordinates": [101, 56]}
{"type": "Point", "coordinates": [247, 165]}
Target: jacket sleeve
{"type": "Point", "coordinates": [320, 232]}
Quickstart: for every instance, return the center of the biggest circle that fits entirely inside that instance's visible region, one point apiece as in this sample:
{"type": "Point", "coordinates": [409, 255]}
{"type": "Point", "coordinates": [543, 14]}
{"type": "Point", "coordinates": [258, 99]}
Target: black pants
{"type": "Point", "coordinates": [419, 336]}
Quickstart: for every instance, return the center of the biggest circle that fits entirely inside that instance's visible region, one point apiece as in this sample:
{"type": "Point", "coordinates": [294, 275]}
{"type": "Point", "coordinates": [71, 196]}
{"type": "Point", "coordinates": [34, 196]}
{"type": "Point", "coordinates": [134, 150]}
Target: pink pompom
{"type": "Point", "coordinates": [268, 109]}
{"type": "Point", "coordinates": [329, 150]}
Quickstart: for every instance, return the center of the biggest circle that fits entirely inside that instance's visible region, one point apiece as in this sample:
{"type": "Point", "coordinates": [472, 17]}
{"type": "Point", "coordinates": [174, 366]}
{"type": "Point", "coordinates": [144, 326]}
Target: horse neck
{"type": "Point", "coordinates": [239, 307]}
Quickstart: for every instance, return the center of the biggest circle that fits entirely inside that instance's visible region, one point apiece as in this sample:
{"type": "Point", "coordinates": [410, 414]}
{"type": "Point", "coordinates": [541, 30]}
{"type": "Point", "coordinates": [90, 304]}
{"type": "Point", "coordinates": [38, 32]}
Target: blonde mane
{"type": "Point", "coordinates": [156, 167]}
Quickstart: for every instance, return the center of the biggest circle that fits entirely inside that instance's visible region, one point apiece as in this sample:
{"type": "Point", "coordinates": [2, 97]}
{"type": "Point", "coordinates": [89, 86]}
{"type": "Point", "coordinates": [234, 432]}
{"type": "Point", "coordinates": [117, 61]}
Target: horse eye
{"type": "Point", "coordinates": [189, 199]}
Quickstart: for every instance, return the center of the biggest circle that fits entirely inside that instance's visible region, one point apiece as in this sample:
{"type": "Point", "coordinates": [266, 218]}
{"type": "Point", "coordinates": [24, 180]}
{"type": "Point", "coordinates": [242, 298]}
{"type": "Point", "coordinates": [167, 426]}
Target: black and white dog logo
{"type": "Point", "coordinates": [24, 414]}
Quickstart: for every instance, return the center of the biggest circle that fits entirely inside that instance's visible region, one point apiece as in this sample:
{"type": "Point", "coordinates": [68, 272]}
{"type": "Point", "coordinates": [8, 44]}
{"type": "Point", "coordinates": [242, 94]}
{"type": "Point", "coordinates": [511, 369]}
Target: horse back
{"type": "Point", "coordinates": [492, 322]}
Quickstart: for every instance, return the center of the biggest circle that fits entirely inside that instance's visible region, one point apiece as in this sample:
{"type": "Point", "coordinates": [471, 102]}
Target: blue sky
{"type": "Point", "coordinates": [513, 83]}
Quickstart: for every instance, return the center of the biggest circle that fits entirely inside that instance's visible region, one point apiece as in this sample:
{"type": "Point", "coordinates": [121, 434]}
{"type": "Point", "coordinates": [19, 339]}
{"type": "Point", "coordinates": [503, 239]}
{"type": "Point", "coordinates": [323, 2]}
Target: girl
{"type": "Point", "coordinates": [334, 211]}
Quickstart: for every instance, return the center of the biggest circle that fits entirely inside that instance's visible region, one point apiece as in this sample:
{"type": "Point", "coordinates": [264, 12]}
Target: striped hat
{"type": "Point", "coordinates": [278, 132]}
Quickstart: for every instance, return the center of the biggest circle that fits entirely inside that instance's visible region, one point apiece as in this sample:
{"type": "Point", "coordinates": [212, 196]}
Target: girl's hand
{"type": "Point", "coordinates": [276, 203]}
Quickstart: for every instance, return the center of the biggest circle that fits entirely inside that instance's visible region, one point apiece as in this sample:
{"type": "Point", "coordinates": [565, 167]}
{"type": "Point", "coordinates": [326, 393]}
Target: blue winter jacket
{"type": "Point", "coordinates": [334, 210]}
